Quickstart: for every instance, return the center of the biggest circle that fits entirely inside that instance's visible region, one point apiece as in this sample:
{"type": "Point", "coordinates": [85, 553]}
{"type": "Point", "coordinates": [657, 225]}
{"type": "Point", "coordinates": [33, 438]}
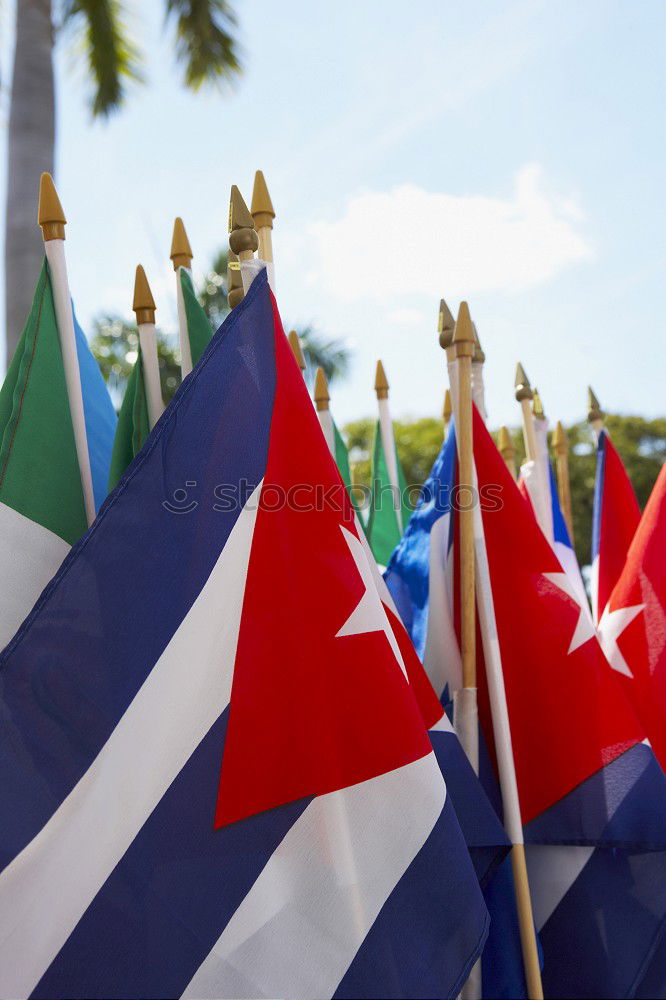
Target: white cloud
{"type": "Point", "coordinates": [409, 241]}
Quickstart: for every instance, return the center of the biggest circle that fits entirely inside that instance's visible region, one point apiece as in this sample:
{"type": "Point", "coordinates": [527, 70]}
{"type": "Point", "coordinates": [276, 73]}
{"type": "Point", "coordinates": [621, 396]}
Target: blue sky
{"type": "Point", "coordinates": [509, 153]}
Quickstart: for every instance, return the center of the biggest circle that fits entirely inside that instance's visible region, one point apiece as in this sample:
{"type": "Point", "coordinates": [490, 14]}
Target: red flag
{"type": "Point", "coordinates": [633, 625]}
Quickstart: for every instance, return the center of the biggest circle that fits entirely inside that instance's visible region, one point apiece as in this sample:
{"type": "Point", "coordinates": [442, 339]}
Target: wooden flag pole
{"type": "Point", "coordinates": [295, 345]}
{"type": "Point", "coordinates": [143, 305]}
{"type": "Point", "coordinates": [462, 345]}
{"type": "Point", "coordinates": [243, 239]}
{"type": "Point", "coordinates": [595, 414]}
{"type": "Point", "coordinates": [446, 412]}
{"type": "Point", "coordinates": [507, 450]}
{"type": "Point", "coordinates": [51, 218]}
{"type": "Point", "coordinates": [181, 256]}
{"type": "Point", "coordinates": [263, 214]}
{"type": "Point", "coordinates": [524, 396]}
{"type": "Point", "coordinates": [235, 291]}
{"type": "Point", "coordinates": [561, 449]}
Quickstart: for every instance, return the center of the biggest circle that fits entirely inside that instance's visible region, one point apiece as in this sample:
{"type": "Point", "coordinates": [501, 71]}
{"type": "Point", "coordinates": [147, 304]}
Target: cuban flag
{"type": "Point", "coordinates": [592, 795]}
{"type": "Point", "coordinates": [633, 625]}
{"type": "Point", "coordinates": [215, 776]}
{"type": "Point", "coordinates": [420, 579]}
{"type": "Point", "coordinates": [615, 517]}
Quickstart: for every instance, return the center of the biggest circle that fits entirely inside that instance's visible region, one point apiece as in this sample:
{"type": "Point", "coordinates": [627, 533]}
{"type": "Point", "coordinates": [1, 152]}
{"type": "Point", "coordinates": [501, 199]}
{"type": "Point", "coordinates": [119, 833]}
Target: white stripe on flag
{"type": "Point", "coordinates": [29, 556]}
{"type": "Point", "coordinates": [298, 929]}
{"type": "Point", "coordinates": [49, 885]}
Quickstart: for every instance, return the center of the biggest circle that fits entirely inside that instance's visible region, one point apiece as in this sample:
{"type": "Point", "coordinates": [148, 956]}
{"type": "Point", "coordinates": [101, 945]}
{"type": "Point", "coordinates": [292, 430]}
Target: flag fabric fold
{"type": "Point", "coordinates": [593, 798]}
{"type": "Point", "coordinates": [389, 508]}
{"type": "Point", "coordinates": [284, 828]}
{"type": "Point", "coordinates": [133, 427]}
{"type": "Point", "coordinates": [41, 499]}
{"type": "Point", "coordinates": [199, 330]}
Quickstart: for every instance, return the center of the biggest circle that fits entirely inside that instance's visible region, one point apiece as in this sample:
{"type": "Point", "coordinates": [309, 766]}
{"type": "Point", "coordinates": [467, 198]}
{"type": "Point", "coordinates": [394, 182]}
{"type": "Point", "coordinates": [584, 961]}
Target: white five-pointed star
{"type": "Point", "coordinates": [611, 627]}
{"type": "Point", "coordinates": [369, 614]}
{"type": "Point", "coordinates": [585, 629]}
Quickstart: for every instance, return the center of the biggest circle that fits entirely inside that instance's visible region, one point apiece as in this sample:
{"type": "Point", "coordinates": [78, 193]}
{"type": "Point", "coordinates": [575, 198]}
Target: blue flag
{"type": "Point", "coordinates": [202, 793]}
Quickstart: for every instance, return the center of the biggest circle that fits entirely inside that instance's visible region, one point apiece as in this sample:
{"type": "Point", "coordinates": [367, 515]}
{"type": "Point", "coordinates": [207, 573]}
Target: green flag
{"type": "Point", "coordinates": [133, 426]}
{"type": "Point", "coordinates": [388, 514]}
{"type": "Point", "coordinates": [41, 499]}
{"type": "Point", "coordinates": [198, 328]}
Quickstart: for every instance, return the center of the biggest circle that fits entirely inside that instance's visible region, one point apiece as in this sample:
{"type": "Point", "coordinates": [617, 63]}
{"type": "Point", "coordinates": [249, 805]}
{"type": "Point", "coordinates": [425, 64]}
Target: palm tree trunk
{"type": "Point", "coordinates": [30, 151]}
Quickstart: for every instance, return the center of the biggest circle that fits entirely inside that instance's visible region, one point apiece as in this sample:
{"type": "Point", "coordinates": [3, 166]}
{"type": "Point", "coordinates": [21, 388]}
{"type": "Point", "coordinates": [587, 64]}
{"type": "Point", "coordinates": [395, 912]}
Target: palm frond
{"type": "Point", "coordinates": [205, 40]}
{"type": "Point", "coordinates": [113, 59]}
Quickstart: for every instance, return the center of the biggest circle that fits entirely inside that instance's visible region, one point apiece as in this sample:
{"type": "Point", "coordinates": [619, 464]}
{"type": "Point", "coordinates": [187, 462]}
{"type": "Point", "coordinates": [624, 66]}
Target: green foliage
{"type": "Point", "coordinates": [212, 292]}
{"type": "Point", "coordinates": [113, 59]}
{"type": "Point", "coordinates": [641, 444]}
{"type": "Point", "coordinates": [205, 42]}
{"type": "Point", "coordinates": [331, 355]}
{"type": "Point", "coordinates": [205, 45]}
{"type": "Point", "coordinates": [115, 342]}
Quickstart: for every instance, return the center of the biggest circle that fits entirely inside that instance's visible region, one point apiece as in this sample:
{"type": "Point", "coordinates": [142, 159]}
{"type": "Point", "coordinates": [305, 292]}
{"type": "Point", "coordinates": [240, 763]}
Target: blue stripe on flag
{"type": "Point", "coordinates": [166, 903]}
{"type": "Point", "coordinates": [608, 928]}
{"type": "Point", "coordinates": [391, 961]}
{"type": "Point", "coordinates": [50, 691]}
{"type": "Point", "coordinates": [407, 575]}
{"type": "Point", "coordinates": [626, 796]}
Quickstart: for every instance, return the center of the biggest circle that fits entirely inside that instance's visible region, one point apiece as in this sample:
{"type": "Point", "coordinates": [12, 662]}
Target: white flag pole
{"type": "Point", "coordinates": [52, 221]}
{"type": "Point", "coordinates": [322, 401]}
{"type": "Point", "coordinates": [388, 440]}
{"type": "Point", "coordinates": [263, 214]}
{"type": "Point", "coordinates": [181, 256]}
{"type": "Point", "coordinates": [144, 307]}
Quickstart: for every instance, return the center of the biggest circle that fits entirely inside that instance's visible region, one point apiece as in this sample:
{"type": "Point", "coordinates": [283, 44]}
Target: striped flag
{"type": "Point", "coordinates": [209, 798]}
{"type": "Point", "coordinates": [41, 500]}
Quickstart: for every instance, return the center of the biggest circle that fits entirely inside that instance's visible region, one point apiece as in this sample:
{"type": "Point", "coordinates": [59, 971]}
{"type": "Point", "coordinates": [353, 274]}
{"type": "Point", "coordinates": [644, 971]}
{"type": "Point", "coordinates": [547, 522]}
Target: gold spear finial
{"type": "Point", "coordinates": [381, 382]}
{"type": "Point", "coordinates": [181, 251]}
{"type": "Point", "coordinates": [234, 281]}
{"type": "Point", "coordinates": [445, 325]}
{"type": "Point", "coordinates": [522, 384]}
{"type": "Point", "coordinates": [478, 358]}
{"type": "Point", "coordinates": [463, 333]}
{"type": "Point", "coordinates": [262, 209]}
{"type": "Point", "coordinates": [448, 408]}
{"type": "Point", "coordinates": [595, 413]}
{"type": "Point", "coordinates": [50, 214]}
{"type": "Point", "coordinates": [537, 406]}
{"type": "Point", "coordinates": [297, 349]}
{"type": "Point", "coordinates": [560, 439]}
{"type": "Point", "coordinates": [143, 303]}
{"type": "Point", "coordinates": [243, 239]}
{"type": "Point", "coordinates": [321, 395]}
{"type": "Point", "coordinates": [505, 443]}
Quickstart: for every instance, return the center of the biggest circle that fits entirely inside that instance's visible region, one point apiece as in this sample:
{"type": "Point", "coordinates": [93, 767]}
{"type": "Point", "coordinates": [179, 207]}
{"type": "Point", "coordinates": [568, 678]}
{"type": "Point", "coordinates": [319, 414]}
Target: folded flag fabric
{"type": "Point", "coordinates": [41, 499]}
{"type": "Point", "coordinates": [420, 580]}
{"type": "Point", "coordinates": [633, 625]}
{"type": "Point", "coordinates": [133, 427]}
{"type": "Point", "coordinates": [592, 795]}
{"type": "Point", "coordinates": [199, 330]}
{"type": "Point", "coordinates": [389, 508]}
{"type": "Point", "coordinates": [615, 517]}
{"type": "Point", "coordinates": [247, 813]}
